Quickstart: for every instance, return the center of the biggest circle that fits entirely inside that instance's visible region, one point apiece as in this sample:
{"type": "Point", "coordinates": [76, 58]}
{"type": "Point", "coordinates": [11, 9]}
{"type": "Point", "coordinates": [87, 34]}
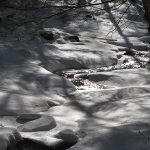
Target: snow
{"type": "Point", "coordinates": [49, 109]}
{"type": "Point", "coordinates": [125, 138]}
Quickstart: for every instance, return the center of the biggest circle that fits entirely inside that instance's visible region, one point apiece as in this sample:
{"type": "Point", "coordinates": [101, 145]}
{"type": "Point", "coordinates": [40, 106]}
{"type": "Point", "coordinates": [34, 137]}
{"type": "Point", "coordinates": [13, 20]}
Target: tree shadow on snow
{"type": "Point", "coordinates": [128, 137]}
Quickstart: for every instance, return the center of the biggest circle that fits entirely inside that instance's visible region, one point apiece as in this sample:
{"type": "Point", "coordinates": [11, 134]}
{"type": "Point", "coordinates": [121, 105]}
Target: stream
{"type": "Point", "coordinates": [80, 77]}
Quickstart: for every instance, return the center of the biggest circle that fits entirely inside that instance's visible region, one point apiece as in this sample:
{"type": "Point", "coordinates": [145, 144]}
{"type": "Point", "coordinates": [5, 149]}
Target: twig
{"type": "Point", "coordinates": [119, 20]}
{"type": "Point", "coordinates": [63, 6]}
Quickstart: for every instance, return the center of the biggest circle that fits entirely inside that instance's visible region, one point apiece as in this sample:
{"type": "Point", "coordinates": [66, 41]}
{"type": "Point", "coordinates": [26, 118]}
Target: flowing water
{"type": "Point", "coordinates": [79, 77]}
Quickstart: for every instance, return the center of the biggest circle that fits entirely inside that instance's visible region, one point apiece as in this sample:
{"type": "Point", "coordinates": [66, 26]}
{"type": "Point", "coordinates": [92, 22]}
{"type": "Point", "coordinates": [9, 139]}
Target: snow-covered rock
{"type": "Point", "coordinates": [72, 38]}
{"type": "Point", "coordinates": [66, 113]}
{"type": "Point", "coordinates": [68, 136]}
{"type": "Point", "coordinates": [28, 117]}
{"type": "Point", "coordinates": [44, 123]}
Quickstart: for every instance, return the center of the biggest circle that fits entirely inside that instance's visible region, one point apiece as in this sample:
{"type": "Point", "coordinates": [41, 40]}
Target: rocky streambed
{"type": "Point", "coordinates": [128, 59]}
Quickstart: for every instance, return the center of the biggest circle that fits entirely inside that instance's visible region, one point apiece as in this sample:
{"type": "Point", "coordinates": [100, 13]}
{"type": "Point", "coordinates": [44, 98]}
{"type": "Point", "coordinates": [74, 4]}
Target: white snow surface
{"type": "Point", "coordinates": [48, 108]}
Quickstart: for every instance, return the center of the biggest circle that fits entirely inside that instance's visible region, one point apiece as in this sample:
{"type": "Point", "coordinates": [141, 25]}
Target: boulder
{"type": "Point", "coordinates": [72, 38]}
{"type": "Point", "coordinates": [44, 123]}
{"type": "Point", "coordinates": [67, 136]}
{"type": "Point", "coordinates": [48, 35]}
{"type": "Point", "coordinates": [27, 117]}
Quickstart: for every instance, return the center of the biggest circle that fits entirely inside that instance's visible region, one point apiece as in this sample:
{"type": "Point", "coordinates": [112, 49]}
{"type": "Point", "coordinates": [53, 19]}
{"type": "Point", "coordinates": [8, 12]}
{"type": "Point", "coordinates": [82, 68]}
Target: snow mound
{"type": "Point", "coordinates": [34, 89]}
{"type": "Point", "coordinates": [19, 103]}
{"type": "Point", "coordinates": [44, 123]}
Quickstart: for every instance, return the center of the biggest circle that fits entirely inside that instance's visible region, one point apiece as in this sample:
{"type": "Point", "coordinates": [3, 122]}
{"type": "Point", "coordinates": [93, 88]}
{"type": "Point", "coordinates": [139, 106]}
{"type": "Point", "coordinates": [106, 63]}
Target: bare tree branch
{"type": "Point", "coordinates": [62, 6]}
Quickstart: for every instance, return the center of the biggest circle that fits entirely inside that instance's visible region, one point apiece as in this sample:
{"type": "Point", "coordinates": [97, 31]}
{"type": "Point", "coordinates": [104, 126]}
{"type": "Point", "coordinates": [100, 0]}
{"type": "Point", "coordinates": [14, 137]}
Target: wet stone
{"type": "Point", "coordinates": [78, 82]}
{"type": "Point", "coordinates": [72, 38]}
{"type": "Point", "coordinates": [129, 53]}
{"type": "Point", "coordinates": [48, 35]}
{"type": "Point", "coordinates": [68, 136]}
{"type": "Point", "coordinates": [44, 123]}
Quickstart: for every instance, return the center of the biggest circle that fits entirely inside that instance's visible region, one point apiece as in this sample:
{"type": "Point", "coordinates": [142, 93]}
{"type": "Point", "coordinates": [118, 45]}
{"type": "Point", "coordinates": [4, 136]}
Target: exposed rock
{"type": "Point", "coordinates": [44, 123]}
{"type": "Point", "coordinates": [78, 82]}
{"type": "Point", "coordinates": [88, 16]}
{"type": "Point", "coordinates": [129, 53]}
{"type": "Point", "coordinates": [68, 75]}
{"type": "Point", "coordinates": [68, 136]}
{"type": "Point", "coordinates": [9, 138]}
{"type": "Point", "coordinates": [72, 38]}
{"type": "Point", "coordinates": [28, 117]}
{"type": "Point", "coordinates": [48, 35]}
